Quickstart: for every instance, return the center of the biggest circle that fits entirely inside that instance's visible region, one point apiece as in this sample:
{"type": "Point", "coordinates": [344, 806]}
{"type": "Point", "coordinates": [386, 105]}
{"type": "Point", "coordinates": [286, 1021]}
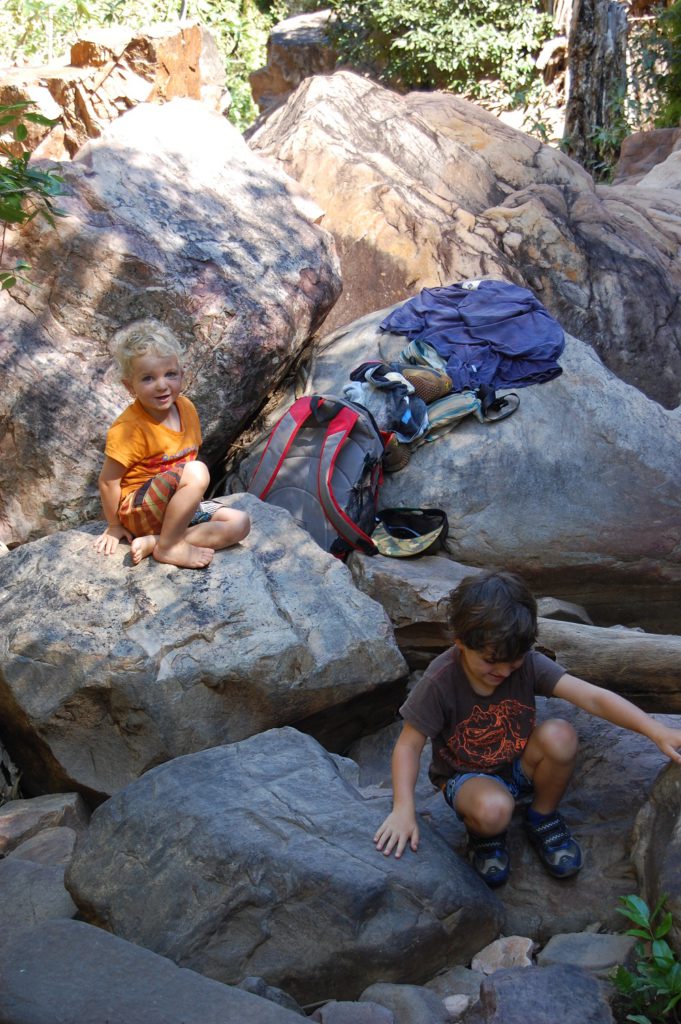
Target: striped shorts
{"type": "Point", "coordinates": [143, 510]}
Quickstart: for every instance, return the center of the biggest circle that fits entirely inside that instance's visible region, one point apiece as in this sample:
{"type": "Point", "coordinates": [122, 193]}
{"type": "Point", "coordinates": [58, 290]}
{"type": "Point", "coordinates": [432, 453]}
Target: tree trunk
{"type": "Point", "coordinates": [597, 73]}
{"type": "Point", "coordinates": [644, 667]}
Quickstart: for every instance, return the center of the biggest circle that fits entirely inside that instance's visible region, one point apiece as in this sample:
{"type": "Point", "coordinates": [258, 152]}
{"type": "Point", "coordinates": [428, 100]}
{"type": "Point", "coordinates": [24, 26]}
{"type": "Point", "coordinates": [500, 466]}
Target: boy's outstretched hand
{"type": "Point", "coordinates": [668, 740]}
{"type": "Point", "coordinates": [397, 830]}
{"type": "Point", "coordinates": [107, 542]}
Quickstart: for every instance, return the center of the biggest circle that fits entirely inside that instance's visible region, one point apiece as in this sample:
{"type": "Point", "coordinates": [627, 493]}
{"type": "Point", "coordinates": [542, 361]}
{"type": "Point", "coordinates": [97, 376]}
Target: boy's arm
{"type": "Point", "coordinates": [619, 711]}
{"type": "Point", "coordinates": [400, 827]}
{"type": "Point", "coordinates": [110, 493]}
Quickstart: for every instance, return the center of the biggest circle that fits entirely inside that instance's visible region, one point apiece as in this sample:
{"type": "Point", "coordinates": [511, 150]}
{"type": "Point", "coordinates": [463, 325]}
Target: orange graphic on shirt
{"type": "Point", "coordinates": [490, 736]}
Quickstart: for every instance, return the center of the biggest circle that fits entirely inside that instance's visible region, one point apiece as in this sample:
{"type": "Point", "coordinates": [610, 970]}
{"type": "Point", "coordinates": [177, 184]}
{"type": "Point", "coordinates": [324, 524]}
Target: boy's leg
{"type": "Point", "coordinates": [172, 547]}
{"type": "Point", "coordinates": [226, 527]}
{"type": "Point", "coordinates": [486, 806]}
{"type": "Point", "coordinates": [549, 760]}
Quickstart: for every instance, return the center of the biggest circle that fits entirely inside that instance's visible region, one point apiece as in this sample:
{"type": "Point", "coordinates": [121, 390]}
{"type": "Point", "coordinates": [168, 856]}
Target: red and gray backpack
{"type": "Point", "coordinates": [322, 462]}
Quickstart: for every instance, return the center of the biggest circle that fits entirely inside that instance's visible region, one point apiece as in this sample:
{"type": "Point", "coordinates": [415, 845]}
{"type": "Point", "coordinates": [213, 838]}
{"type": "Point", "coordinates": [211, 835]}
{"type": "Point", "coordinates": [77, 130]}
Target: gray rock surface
{"type": "Point", "coordinates": [656, 848]}
{"type": "Point", "coordinates": [76, 974]}
{"type": "Point", "coordinates": [411, 1004]}
{"type": "Point", "coordinates": [428, 189]}
{"type": "Point", "coordinates": [541, 995]}
{"type": "Point", "coordinates": [113, 668]}
{"type": "Point", "coordinates": [256, 859]}
{"type": "Point", "coordinates": [22, 819]}
{"type": "Point", "coordinates": [31, 893]}
{"type": "Point", "coordinates": [597, 952]}
{"type": "Point", "coordinates": [209, 239]}
{"type": "Point", "coordinates": [51, 846]}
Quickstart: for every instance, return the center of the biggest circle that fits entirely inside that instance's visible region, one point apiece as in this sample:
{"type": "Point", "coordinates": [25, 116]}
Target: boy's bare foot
{"type": "Point", "coordinates": [142, 547]}
{"type": "Point", "coordinates": [184, 555]}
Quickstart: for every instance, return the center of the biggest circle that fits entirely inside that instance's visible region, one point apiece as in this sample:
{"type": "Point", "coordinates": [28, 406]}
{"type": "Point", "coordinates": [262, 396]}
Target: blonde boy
{"type": "Point", "coordinates": [151, 483]}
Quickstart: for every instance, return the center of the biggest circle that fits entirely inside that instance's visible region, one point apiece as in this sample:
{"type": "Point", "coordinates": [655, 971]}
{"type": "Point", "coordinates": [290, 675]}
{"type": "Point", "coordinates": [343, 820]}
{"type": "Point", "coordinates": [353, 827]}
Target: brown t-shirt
{"type": "Point", "coordinates": [472, 733]}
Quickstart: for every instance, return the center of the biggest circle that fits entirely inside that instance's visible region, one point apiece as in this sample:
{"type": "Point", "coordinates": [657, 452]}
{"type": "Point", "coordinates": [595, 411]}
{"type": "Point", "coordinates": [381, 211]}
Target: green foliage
{"type": "Point", "coordinates": [25, 192]}
{"type": "Point", "coordinates": [40, 30]}
{"type": "Point", "coordinates": [668, 80]}
{"type": "Point", "coordinates": [485, 48]}
{"type": "Point", "coordinates": [653, 989]}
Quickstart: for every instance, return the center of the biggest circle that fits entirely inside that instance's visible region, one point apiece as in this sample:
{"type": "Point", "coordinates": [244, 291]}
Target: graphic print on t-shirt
{"type": "Point", "coordinates": [489, 737]}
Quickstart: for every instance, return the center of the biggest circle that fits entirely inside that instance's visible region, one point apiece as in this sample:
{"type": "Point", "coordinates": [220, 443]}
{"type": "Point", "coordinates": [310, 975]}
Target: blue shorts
{"type": "Point", "coordinates": [519, 786]}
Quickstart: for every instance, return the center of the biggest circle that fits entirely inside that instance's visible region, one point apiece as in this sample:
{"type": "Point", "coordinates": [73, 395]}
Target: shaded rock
{"type": "Point", "coordinates": [428, 189]}
{"type": "Point", "coordinates": [596, 952]}
{"type": "Point", "coordinates": [615, 773]}
{"type": "Point", "coordinates": [296, 48]}
{"type": "Point", "coordinates": [516, 996]}
{"type": "Point", "coordinates": [31, 893]}
{"type": "Point", "coordinates": [508, 951]}
{"type": "Point", "coordinates": [259, 987]}
{"type": "Point", "coordinates": [337, 1012]}
{"type": "Point", "coordinates": [616, 551]}
{"type": "Point", "coordinates": [410, 1004]}
{"type": "Point", "coordinates": [51, 846]}
{"type": "Point", "coordinates": [457, 980]}
{"type": "Point", "coordinates": [656, 848]}
{"type": "Point", "coordinates": [256, 859]}
{"type": "Point", "coordinates": [89, 976]}
{"type": "Point", "coordinates": [113, 668]}
{"type": "Point", "coordinates": [9, 774]}
{"type": "Point", "coordinates": [22, 819]}
{"type": "Point", "coordinates": [564, 611]}
{"type": "Point", "coordinates": [642, 151]}
{"type": "Point", "coordinates": [110, 71]}
{"type": "Point", "coordinates": [208, 240]}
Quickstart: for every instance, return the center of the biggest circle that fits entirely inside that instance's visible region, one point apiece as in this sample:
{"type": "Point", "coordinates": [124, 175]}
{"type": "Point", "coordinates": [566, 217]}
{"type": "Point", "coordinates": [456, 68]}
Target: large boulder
{"type": "Point", "coordinates": [113, 668]}
{"type": "Point", "coordinates": [256, 859]}
{"type": "Point", "coordinates": [296, 48]}
{"type": "Point", "coordinates": [428, 189]}
{"type": "Point", "coordinates": [657, 848]}
{"type": "Point", "coordinates": [68, 971]}
{"type": "Point", "coordinates": [169, 214]}
{"type": "Point", "coordinates": [577, 490]}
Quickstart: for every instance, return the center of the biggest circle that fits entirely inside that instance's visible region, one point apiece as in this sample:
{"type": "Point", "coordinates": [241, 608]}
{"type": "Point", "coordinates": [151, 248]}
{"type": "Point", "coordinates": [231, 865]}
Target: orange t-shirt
{"type": "Point", "coordinates": [147, 448]}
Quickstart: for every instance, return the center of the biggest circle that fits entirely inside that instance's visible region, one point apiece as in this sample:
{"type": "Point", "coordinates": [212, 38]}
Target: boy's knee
{"type": "Point", "coordinates": [488, 811]}
{"type": "Point", "coordinates": [558, 738]}
{"type": "Point", "coordinates": [195, 473]}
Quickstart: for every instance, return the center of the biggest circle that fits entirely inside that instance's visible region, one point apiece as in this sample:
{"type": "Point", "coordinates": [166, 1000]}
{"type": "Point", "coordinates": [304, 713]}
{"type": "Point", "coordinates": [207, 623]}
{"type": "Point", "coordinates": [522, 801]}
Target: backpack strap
{"type": "Point", "coordinates": [337, 432]}
{"type": "Point", "coordinates": [285, 431]}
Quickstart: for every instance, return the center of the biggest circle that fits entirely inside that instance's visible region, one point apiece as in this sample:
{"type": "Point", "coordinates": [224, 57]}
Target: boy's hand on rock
{"type": "Point", "coordinates": [397, 830]}
{"type": "Point", "coordinates": [669, 741]}
{"type": "Point", "coordinates": [108, 541]}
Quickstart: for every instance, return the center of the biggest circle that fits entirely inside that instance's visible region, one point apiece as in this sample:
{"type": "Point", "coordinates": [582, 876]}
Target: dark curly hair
{"type": "Point", "coordinates": [494, 614]}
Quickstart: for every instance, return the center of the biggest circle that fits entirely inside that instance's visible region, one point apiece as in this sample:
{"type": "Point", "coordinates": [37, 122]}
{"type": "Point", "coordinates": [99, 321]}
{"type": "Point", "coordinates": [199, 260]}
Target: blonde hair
{"type": "Point", "coordinates": [139, 339]}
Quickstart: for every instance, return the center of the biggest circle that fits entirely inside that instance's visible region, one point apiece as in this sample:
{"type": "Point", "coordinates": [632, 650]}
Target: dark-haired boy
{"type": "Point", "coordinates": [476, 702]}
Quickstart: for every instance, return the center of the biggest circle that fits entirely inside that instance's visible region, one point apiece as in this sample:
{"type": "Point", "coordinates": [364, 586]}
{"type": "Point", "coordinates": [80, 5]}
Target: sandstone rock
{"type": "Point", "coordinates": [656, 848]}
{"type": "Point", "coordinates": [113, 668]}
{"type": "Point", "coordinates": [22, 819]}
{"type": "Point", "coordinates": [296, 48]}
{"type": "Point", "coordinates": [515, 996]}
{"type": "Point", "coordinates": [428, 189]}
{"type": "Point", "coordinates": [564, 611]}
{"type": "Point", "coordinates": [110, 71]}
{"type": "Point", "coordinates": [410, 1004]}
{"type": "Point", "coordinates": [51, 846]}
{"type": "Point", "coordinates": [256, 858]}
{"type": "Point", "coordinates": [87, 976]}
{"type": "Point", "coordinates": [206, 238]}
{"type": "Point", "coordinates": [615, 773]}
{"type": "Point", "coordinates": [31, 893]}
{"type": "Point", "coordinates": [598, 953]}
{"type": "Point", "coordinates": [642, 151]}
{"type": "Point", "coordinates": [508, 951]}
{"type": "Point", "coordinates": [509, 488]}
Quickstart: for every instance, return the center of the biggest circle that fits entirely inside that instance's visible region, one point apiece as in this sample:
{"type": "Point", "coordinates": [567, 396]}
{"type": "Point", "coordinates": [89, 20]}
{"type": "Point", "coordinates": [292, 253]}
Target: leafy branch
{"type": "Point", "coordinates": [25, 191]}
{"type": "Point", "coordinates": [653, 989]}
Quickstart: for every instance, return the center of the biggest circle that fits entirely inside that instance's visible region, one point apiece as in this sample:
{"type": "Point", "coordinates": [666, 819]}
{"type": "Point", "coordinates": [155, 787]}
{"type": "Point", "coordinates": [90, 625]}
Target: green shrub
{"type": "Point", "coordinates": [653, 989]}
{"type": "Point", "coordinates": [484, 48]}
{"type": "Point", "coordinates": [25, 192]}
